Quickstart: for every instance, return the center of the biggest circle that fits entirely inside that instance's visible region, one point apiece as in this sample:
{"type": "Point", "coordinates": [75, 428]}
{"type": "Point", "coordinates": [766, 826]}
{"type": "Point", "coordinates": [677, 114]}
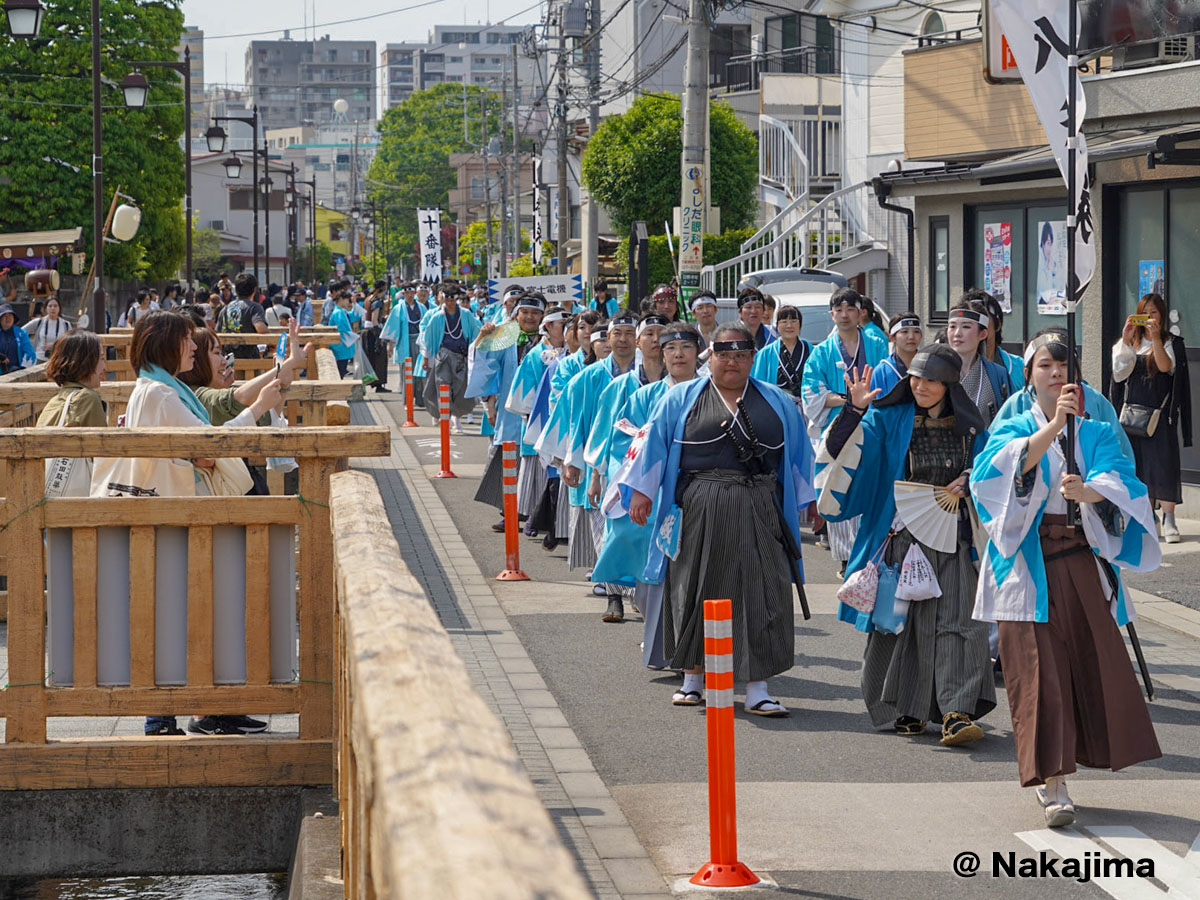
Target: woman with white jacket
{"type": "Point", "coordinates": [162, 348]}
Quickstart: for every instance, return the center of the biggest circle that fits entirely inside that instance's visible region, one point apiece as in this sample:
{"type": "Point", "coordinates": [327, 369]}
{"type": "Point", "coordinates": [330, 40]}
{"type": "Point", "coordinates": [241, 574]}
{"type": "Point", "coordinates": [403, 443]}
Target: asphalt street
{"type": "Point", "coordinates": [828, 807]}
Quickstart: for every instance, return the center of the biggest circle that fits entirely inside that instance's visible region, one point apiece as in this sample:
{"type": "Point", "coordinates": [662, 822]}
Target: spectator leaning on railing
{"type": "Point", "coordinates": [77, 366]}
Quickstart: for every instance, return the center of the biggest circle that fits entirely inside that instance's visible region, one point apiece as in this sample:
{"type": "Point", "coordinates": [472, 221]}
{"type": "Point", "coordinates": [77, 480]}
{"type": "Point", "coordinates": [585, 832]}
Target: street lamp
{"type": "Point", "coordinates": [215, 137]}
{"type": "Point", "coordinates": [355, 212]}
{"type": "Point", "coordinates": [233, 168]}
{"type": "Point", "coordinates": [135, 87]}
{"type": "Point", "coordinates": [24, 17]}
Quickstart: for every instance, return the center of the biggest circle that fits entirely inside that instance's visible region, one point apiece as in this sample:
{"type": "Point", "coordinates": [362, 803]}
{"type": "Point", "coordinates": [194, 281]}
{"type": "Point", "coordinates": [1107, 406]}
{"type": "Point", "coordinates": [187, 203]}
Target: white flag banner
{"type": "Point", "coordinates": [1038, 33]}
{"type": "Point", "coordinates": [535, 236]}
{"type": "Point", "coordinates": [429, 231]}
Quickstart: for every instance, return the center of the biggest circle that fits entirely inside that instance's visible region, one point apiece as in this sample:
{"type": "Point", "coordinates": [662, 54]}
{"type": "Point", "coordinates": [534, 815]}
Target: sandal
{"type": "Point", "coordinates": [909, 726]}
{"type": "Point", "coordinates": [770, 708]}
{"type": "Point", "coordinates": [687, 698]}
{"type": "Point", "coordinates": [957, 728]}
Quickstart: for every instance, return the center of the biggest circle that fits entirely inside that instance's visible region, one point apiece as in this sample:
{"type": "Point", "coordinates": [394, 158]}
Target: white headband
{"type": "Point", "coordinates": [600, 334]}
{"type": "Point", "coordinates": [981, 319]}
{"type": "Point", "coordinates": [513, 293]}
{"type": "Point", "coordinates": [627, 321]}
{"type": "Point", "coordinates": [650, 321]}
{"type": "Point", "coordinates": [907, 322]}
{"type": "Point", "coordinates": [557, 316]}
{"type": "Point", "coordinates": [703, 299]}
{"type": "Point", "coordinates": [1042, 340]}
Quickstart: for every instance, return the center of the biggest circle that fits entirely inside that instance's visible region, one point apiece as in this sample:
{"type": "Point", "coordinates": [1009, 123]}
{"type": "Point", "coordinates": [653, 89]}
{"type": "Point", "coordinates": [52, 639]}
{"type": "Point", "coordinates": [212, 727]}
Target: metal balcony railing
{"type": "Point", "coordinates": [742, 73]}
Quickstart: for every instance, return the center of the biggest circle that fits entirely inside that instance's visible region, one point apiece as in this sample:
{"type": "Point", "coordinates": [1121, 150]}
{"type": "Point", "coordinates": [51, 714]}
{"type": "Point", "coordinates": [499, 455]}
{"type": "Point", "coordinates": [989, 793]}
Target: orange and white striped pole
{"type": "Point", "coordinates": [512, 549]}
{"type": "Point", "coordinates": [408, 393]}
{"type": "Point", "coordinates": [723, 868]}
{"type": "Point", "coordinates": [444, 419]}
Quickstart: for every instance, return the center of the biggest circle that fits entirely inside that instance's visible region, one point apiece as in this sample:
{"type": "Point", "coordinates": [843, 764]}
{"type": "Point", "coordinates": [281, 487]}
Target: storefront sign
{"type": "Point", "coordinates": [565, 290]}
{"type": "Point", "coordinates": [1052, 268]}
{"type": "Point", "coordinates": [997, 262]}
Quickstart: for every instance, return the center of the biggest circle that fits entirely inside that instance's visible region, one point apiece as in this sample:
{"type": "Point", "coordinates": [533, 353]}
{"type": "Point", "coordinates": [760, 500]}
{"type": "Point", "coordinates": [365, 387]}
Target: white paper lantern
{"type": "Point", "coordinates": [126, 221]}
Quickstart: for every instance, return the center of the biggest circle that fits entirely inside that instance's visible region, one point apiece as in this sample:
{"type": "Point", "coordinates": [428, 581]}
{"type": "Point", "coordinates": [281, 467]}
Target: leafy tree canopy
{"type": "Point", "coordinates": [416, 137]}
{"type": "Point", "coordinates": [632, 163]}
{"type": "Point", "coordinates": [46, 130]}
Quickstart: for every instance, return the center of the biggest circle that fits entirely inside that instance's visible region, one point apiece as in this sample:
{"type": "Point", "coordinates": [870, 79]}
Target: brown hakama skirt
{"type": "Point", "coordinates": [1071, 687]}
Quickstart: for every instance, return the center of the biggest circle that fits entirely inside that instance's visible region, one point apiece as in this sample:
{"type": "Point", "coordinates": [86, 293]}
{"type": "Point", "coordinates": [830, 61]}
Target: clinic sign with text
{"type": "Point", "coordinates": [691, 226]}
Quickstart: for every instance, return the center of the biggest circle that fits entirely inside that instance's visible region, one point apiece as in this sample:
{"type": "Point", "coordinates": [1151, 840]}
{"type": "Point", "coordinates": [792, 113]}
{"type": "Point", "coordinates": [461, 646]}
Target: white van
{"type": "Point", "coordinates": [808, 290]}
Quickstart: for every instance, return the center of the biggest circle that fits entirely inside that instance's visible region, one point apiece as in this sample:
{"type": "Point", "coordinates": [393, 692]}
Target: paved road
{"type": "Point", "coordinates": [829, 808]}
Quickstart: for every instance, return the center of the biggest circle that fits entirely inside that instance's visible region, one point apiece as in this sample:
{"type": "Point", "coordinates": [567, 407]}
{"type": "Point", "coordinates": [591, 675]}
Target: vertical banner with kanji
{"type": "Point", "coordinates": [1038, 33]}
{"type": "Point", "coordinates": [691, 232]}
{"type": "Point", "coordinates": [535, 236]}
{"type": "Point", "coordinates": [429, 231]}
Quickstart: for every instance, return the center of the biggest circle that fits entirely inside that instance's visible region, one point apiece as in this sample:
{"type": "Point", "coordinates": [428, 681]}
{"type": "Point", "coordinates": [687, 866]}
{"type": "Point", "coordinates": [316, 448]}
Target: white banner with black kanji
{"type": "Point", "coordinates": [429, 230]}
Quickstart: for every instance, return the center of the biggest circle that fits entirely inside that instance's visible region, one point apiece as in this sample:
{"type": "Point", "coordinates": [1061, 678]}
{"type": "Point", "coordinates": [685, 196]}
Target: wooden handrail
{"type": "Point", "coordinates": [433, 799]}
{"type": "Point", "coordinates": [39, 393]}
{"type": "Point", "coordinates": [190, 443]}
{"type": "Point", "coordinates": [33, 373]}
{"type": "Point", "coordinates": [320, 338]}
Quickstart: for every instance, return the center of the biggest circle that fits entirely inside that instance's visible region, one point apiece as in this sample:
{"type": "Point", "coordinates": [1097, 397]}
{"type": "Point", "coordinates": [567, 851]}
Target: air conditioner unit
{"type": "Point", "coordinates": [217, 224]}
{"type": "Point", "coordinates": [1154, 53]}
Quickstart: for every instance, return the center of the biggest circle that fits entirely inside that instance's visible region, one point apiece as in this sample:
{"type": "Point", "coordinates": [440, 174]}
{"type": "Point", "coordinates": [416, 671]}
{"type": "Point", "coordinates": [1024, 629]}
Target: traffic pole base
{"type": "Point", "coordinates": [409, 425]}
{"type": "Point", "coordinates": [512, 575]}
{"type": "Point", "coordinates": [445, 473]}
{"type": "Point", "coordinates": [724, 875]}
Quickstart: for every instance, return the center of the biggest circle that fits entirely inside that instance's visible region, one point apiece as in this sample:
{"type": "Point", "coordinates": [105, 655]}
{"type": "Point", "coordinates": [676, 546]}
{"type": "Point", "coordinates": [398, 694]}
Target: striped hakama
{"type": "Point", "coordinates": [581, 550]}
{"type": "Point", "coordinates": [491, 485]}
{"type": "Point", "coordinates": [731, 547]}
{"type": "Point", "coordinates": [563, 511]}
{"type": "Point", "coordinates": [531, 484]}
{"type": "Point", "coordinates": [1071, 687]}
{"type": "Point", "coordinates": [649, 599]}
{"type": "Point", "coordinates": [448, 368]}
{"type": "Point", "coordinates": [940, 662]}
{"type": "Point", "coordinates": [841, 538]}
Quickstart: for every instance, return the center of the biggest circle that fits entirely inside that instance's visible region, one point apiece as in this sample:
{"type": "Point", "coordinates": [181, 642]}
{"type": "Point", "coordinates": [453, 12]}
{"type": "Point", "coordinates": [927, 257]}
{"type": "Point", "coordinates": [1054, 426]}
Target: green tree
{"type": "Point", "coordinates": [46, 130]}
{"type": "Point", "coordinates": [412, 167]}
{"type": "Point", "coordinates": [632, 163]}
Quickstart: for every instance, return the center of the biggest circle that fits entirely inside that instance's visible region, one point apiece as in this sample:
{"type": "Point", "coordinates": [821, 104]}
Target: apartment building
{"type": "Point", "coordinates": [297, 82]}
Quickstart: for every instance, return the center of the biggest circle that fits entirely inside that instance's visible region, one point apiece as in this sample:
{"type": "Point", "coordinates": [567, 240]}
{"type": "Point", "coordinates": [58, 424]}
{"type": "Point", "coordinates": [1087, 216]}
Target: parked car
{"type": "Point", "coordinates": [807, 289]}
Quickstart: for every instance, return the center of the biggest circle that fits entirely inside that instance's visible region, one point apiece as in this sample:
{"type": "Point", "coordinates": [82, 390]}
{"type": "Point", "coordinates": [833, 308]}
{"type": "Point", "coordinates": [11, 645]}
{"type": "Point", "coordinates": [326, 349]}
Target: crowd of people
{"type": "Point", "coordinates": [683, 460]}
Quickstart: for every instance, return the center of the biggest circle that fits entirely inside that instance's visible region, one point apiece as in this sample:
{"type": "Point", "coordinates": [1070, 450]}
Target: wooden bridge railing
{"type": "Point", "coordinates": [178, 604]}
{"type": "Point", "coordinates": [120, 369]}
{"type": "Point", "coordinates": [433, 799]}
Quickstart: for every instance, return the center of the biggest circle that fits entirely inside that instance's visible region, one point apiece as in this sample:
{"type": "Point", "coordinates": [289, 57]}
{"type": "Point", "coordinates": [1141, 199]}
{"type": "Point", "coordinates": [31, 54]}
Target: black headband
{"type": "Point", "coordinates": [981, 319]}
{"type": "Point", "coordinates": [622, 320]}
{"type": "Point", "coordinates": [728, 346]}
{"type": "Point", "coordinates": [529, 301]}
{"type": "Point", "coordinates": [650, 321]}
{"type": "Point", "coordinates": [906, 322]}
{"type": "Point", "coordinates": [667, 336]}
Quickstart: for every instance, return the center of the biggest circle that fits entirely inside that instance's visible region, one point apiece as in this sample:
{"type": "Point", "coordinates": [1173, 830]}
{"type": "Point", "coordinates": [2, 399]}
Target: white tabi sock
{"type": "Point", "coordinates": [693, 683]}
{"type": "Point", "coordinates": [756, 692]}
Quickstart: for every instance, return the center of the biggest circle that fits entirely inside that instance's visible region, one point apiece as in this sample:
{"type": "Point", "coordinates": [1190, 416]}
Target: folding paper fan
{"type": "Point", "coordinates": [930, 513]}
{"type": "Point", "coordinates": [502, 338]}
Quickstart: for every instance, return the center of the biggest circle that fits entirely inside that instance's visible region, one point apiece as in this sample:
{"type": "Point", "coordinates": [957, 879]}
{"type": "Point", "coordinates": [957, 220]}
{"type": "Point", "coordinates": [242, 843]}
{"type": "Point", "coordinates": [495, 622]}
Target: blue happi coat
{"type": "Point", "coordinates": [859, 482]}
{"type": "Point", "coordinates": [622, 559]}
{"type": "Point", "coordinates": [433, 329]}
{"type": "Point", "coordinates": [824, 374]}
{"type": "Point", "coordinates": [1012, 576]}
{"type": "Point", "coordinates": [888, 374]}
{"type": "Point", "coordinates": [1095, 407]}
{"type": "Point", "coordinates": [494, 373]}
{"type": "Point", "coordinates": [766, 361]}
{"type": "Point", "coordinates": [658, 468]}
{"type": "Point", "coordinates": [609, 309]}
{"type": "Point", "coordinates": [395, 330]}
{"type": "Point", "coordinates": [551, 444]}
{"type": "Point", "coordinates": [525, 386]}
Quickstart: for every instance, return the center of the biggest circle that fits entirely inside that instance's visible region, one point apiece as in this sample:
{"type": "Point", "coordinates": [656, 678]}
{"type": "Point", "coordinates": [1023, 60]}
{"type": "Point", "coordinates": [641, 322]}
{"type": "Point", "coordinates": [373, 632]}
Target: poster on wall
{"type": "Point", "coordinates": [1150, 278]}
{"type": "Point", "coordinates": [1052, 268]}
{"type": "Point", "coordinates": [997, 262]}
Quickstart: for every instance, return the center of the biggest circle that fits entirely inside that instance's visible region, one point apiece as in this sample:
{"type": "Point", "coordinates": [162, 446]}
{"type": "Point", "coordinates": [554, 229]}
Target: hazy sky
{"type": "Point", "coordinates": [224, 56]}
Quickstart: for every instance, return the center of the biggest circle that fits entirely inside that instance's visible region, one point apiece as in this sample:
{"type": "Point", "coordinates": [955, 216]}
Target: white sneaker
{"type": "Point", "coordinates": [1170, 531]}
{"type": "Point", "coordinates": [470, 419]}
{"type": "Point", "coordinates": [1056, 803]}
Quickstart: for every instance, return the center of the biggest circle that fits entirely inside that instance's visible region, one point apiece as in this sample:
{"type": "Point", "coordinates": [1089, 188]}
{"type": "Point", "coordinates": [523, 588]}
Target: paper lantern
{"type": "Point", "coordinates": [126, 221]}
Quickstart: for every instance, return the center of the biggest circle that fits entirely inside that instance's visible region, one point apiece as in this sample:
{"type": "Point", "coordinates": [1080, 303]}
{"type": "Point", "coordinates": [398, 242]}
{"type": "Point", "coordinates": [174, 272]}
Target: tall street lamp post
{"type": "Point", "coordinates": [135, 87]}
{"type": "Point", "coordinates": [216, 139]}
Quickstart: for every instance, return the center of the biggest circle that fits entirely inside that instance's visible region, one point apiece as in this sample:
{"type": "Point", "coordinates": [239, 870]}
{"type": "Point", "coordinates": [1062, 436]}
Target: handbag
{"type": "Point", "coordinates": [891, 612]}
{"type": "Point", "coordinates": [68, 476]}
{"type": "Point", "coordinates": [860, 590]}
{"type": "Point", "coordinates": [918, 579]}
{"type": "Point", "coordinates": [1141, 421]}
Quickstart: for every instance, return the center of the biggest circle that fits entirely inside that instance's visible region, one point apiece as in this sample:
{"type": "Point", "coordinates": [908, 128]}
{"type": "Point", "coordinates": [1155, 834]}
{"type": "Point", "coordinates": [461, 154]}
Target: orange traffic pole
{"type": "Point", "coordinates": [723, 868]}
{"type": "Point", "coordinates": [444, 419]}
{"type": "Point", "coordinates": [512, 552]}
{"type": "Point", "coordinates": [408, 394]}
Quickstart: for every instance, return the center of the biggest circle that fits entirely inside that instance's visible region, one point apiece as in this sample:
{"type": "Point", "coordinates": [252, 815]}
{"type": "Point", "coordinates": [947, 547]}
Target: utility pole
{"type": "Point", "coordinates": [516, 157]}
{"type": "Point", "coordinates": [694, 202]}
{"type": "Point", "coordinates": [503, 179]}
{"type": "Point", "coordinates": [591, 244]}
{"type": "Point", "coordinates": [487, 184]}
{"type": "Point", "coordinates": [562, 207]}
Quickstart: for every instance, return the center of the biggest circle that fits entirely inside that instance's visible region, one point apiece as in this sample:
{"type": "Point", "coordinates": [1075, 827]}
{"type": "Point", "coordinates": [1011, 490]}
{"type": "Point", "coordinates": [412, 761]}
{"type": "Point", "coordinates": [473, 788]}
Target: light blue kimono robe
{"type": "Point", "coordinates": [626, 545]}
{"type": "Point", "coordinates": [524, 389]}
{"type": "Point", "coordinates": [1014, 366]}
{"type": "Point", "coordinates": [766, 362]}
{"type": "Point", "coordinates": [551, 444]}
{"type": "Point", "coordinates": [1012, 577]}
{"type": "Point", "coordinates": [494, 373]}
{"type": "Point", "coordinates": [658, 469]}
{"type": "Point", "coordinates": [859, 482]}
{"type": "Point", "coordinates": [825, 374]}
{"type": "Point", "coordinates": [419, 364]}
{"type": "Point", "coordinates": [582, 399]}
{"type": "Point", "coordinates": [1095, 407]}
{"type": "Point", "coordinates": [395, 330]}
{"type": "Point", "coordinates": [433, 329]}
{"type": "Point", "coordinates": [888, 374]}
{"type": "Point", "coordinates": [609, 309]}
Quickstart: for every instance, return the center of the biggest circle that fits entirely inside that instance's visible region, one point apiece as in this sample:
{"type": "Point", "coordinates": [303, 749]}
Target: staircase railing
{"type": "Point", "coordinates": [782, 162]}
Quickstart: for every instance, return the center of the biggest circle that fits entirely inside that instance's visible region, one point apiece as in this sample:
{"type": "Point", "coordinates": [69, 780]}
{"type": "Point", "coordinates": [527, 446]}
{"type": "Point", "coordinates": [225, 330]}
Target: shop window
{"type": "Point", "coordinates": [939, 265]}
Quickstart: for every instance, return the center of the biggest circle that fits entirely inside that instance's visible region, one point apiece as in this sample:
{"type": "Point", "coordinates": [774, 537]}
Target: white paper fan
{"type": "Point", "coordinates": [502, 338]}
{"type": "Point", "coordinates": [930, 513]}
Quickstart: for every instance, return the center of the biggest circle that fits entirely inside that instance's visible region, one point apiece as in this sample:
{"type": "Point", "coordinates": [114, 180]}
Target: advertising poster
{"type": "Point", "coordinates": [1052, 268]}
{"type": "Point", "coordinates": [1150, 278]}
{"type": "Point", "coordinates": [997, 262]}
